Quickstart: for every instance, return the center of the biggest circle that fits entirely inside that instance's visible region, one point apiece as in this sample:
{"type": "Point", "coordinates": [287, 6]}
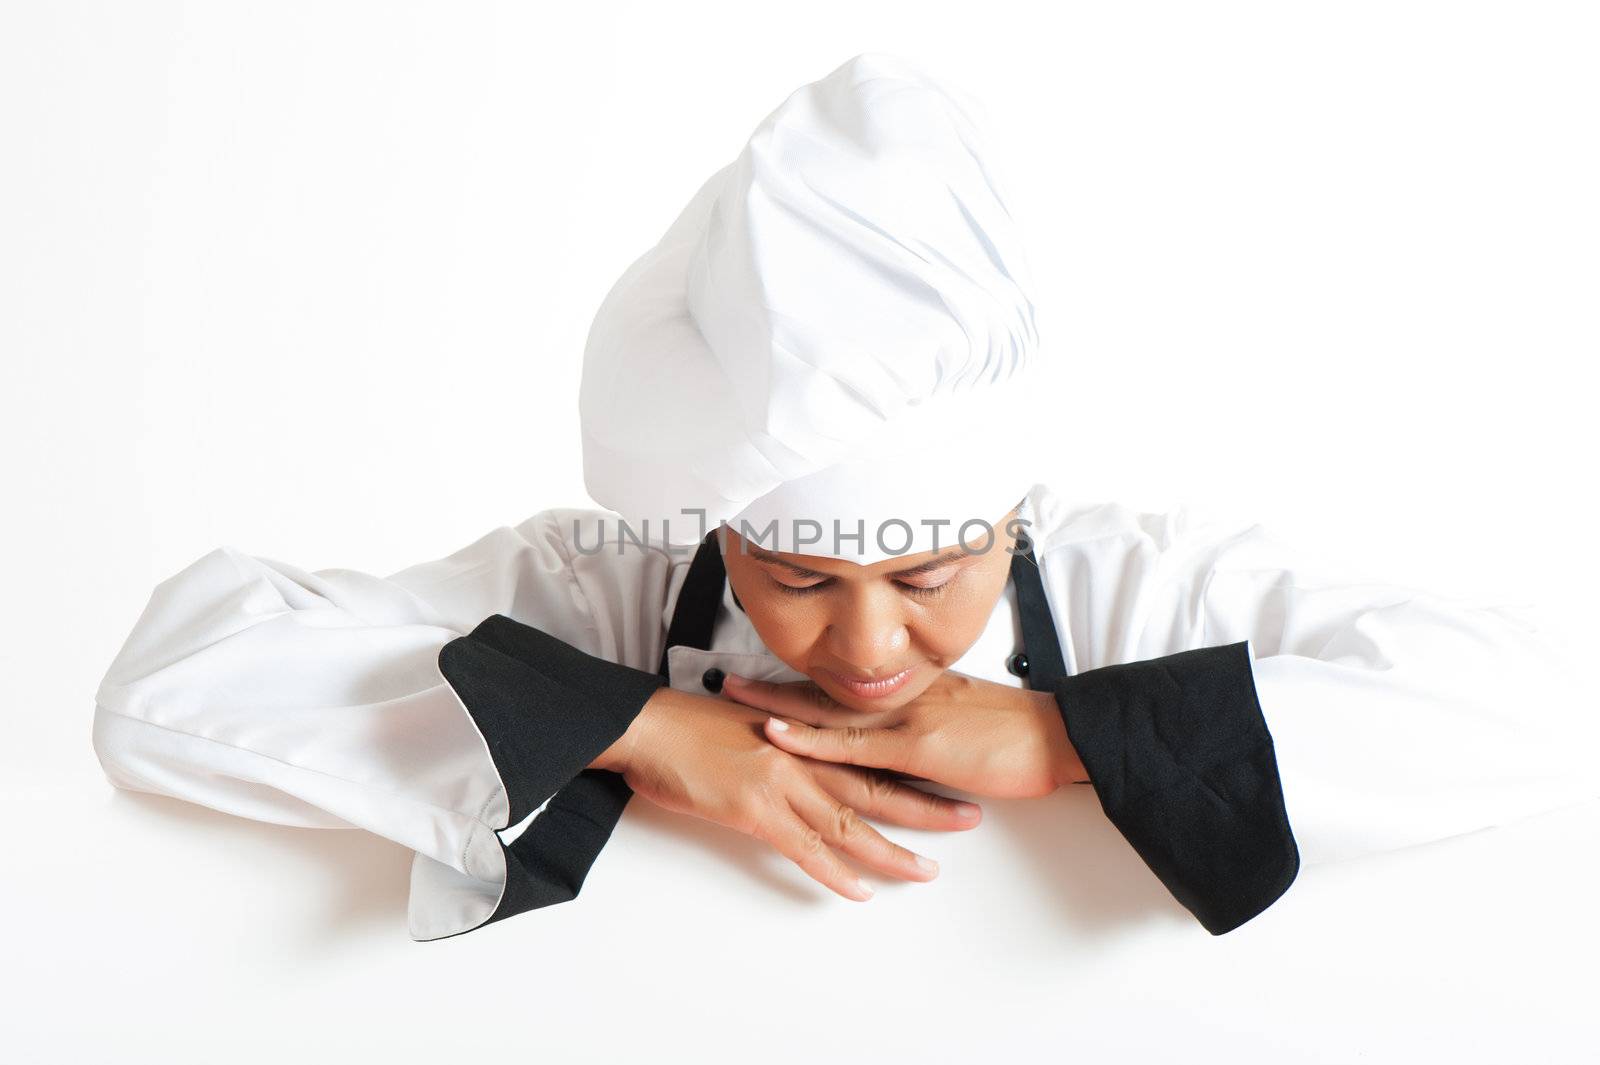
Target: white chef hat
{"type": "Point", "coordinates": [829, 341]}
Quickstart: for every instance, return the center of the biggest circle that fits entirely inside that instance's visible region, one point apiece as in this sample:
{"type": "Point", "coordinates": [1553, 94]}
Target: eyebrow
{"type": "Point", "coordinates": [939, 562]}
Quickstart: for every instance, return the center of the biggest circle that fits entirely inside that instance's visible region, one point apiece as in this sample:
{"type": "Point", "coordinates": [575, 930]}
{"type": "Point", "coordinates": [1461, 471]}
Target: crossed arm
{"type": "Point", "coordinates": [328, 700]}
{"type": "Point", "coordinates": [1182, 763]}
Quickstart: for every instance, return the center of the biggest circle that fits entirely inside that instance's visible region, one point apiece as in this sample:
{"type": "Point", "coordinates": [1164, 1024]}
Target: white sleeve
{"type": "Point", "coordinates": [1399, 715]}
{"type": "Point", "coordinates": [330, 699]}
{"type": "Point", "coordinates": [1375, 715]}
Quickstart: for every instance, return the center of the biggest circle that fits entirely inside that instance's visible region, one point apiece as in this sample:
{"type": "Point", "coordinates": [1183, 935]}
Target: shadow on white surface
{"type": "Point", "coordinates": [1060, 869]}
{"type": "Point", "coordinates": [1098, 883]}
{"type": "Point", "coordinates": [359, 881]}
{"type": "Point", "coordinates": [1061, 858]}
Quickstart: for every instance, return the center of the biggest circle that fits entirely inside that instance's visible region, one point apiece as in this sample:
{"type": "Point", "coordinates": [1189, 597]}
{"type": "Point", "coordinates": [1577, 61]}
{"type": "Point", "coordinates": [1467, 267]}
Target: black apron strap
{"type": "Point", "coordinates": [695, 613]}
{"type": "Point", "coordinates": [1039, 640]}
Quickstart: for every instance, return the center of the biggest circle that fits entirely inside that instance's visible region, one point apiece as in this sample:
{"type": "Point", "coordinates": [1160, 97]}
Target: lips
{"type": "Point", "coordinates": [872, 689]}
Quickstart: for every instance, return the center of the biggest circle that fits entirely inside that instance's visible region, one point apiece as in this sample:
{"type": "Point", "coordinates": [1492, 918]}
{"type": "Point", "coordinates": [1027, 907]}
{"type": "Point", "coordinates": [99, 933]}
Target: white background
{"type": "Point", "coordinates": [313, 281]}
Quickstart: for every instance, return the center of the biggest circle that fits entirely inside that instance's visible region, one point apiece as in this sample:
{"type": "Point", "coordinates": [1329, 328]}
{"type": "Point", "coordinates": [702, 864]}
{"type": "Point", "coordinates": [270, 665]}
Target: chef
{"type": "Point", "coordinates": [824, 575]}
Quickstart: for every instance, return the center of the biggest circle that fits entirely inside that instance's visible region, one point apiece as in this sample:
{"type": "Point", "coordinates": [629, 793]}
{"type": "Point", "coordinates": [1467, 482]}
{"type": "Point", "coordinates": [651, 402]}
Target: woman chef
{"type": "Point", "coordinates": [828, 573]}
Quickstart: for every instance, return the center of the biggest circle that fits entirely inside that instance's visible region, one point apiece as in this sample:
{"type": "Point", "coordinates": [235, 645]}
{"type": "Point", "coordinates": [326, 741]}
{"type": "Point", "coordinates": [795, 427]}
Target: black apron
{"type": "Point", "coordinates": [1038, 662]}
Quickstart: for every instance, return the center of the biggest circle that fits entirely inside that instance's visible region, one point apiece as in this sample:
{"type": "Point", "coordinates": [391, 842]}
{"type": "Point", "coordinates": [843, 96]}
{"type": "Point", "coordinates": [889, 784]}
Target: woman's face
{"type": "Point", "coordinates": [873, 637]}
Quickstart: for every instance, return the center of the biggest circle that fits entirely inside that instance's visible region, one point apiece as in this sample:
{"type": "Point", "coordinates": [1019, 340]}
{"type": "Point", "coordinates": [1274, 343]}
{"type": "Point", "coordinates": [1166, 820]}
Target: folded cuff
{"type": "Point", "coordinates": [1178, 752]}
{"type": "Point", "coordinates": [546, 710]}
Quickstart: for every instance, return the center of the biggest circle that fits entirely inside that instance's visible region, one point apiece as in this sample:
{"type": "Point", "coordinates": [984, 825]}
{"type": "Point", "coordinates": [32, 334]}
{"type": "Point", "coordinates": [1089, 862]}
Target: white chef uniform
{"type": "Point", "coordinates": [317, 699]}
{"type": "Point", "coordinates": [836, 327]}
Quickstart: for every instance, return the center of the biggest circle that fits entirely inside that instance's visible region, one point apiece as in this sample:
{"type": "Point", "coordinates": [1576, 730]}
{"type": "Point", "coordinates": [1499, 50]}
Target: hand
{"type": "Point", "coordinates": [707, 757]}
{"type": "Point", "coordinates": [976, 735]}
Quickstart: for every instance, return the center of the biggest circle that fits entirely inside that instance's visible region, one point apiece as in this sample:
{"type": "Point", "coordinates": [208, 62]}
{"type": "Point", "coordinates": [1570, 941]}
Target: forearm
{"type": "Point", "coordinates": [619, 755]}
{"type": "Point", "coordinates": [1067, 766]}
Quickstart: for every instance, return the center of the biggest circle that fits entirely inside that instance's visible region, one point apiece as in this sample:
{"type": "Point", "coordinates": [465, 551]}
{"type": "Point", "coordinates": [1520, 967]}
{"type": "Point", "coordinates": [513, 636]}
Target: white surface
{"type": "Point", "coordinates": [272, 274]}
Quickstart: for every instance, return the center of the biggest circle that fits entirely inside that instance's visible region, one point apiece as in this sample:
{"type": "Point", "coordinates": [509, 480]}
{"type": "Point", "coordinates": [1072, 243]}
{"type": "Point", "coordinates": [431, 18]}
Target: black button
{"type": "Point", "coordinates": [713, 679]}
{"type": "Point", "coordinates": [1017, 665]}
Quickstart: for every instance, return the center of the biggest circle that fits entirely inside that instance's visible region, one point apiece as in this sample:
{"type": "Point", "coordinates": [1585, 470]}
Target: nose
{"type": "Point", "coordinates": [870, 636]}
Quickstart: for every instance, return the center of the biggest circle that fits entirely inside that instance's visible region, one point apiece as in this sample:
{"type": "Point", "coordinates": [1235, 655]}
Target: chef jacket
{"type": "Point", "coordinates": [1237, 711]}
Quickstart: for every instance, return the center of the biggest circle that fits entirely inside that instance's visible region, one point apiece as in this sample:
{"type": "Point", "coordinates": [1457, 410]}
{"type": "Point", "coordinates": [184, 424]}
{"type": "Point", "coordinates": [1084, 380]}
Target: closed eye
{"type": "Point", "coordinates": [803, 589]}
{"type": "Point", "coordinates": [918, 590]}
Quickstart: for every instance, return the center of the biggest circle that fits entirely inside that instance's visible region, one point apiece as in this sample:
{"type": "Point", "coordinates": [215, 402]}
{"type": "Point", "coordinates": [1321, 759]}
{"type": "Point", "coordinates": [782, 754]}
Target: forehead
{"type": "Point", "coordinates": [953, 553]}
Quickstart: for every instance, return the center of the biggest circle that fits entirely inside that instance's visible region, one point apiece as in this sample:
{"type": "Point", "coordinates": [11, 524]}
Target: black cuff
{"type": "Point", "coordinates": [1179, 753]}
{"type": "Point", "coordinates": [547, 710]}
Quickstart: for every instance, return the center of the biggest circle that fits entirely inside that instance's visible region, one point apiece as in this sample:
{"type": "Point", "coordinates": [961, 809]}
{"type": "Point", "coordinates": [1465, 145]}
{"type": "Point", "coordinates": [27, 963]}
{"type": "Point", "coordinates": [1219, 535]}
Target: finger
{"type": "Point", "coordinates": [801, 700]}
{"type": "Point", "coordinates": [804, 845]}
{"type": "Point", "coordinates": [879, 796]}
{"type": "Point", "coordinates": [842, 828]}
{"type": "Point", "coordinates": [884, 748]}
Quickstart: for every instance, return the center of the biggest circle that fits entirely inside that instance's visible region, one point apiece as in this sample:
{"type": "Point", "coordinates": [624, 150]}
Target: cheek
{"type": "Point", "coordinates": [789, 629]}
{"type": "Point", "coordinates": [949, 629]}
{"type": "Point", "coordinates": [946, 634]}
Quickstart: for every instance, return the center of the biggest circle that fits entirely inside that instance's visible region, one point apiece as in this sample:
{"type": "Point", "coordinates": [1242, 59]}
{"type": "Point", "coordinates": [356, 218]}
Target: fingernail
{"type": "Point", "coordinates": [927, 865]}
{"type": "Point", "coordinates": [967, 811]}
{"type": "Point", "coordinates": [865, 888]}
{"type": "Point", "coordinates": [779, 725]}
{"type": "Point", "coordinates": [731, 678]}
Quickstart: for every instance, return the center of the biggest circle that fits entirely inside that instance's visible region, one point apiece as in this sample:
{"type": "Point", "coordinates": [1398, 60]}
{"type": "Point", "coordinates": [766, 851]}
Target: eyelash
{"type": "Point", "coordinates": [920, 591]}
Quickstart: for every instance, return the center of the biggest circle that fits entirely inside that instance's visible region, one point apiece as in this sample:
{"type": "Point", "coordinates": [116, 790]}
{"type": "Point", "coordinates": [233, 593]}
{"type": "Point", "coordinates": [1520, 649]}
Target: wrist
{"type": "Point", "coordinates": [618, 757]}
{"type": "Point", "coordinates": [620, 753]}
{"type": "Point", "coordinates": [1066, 766]}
